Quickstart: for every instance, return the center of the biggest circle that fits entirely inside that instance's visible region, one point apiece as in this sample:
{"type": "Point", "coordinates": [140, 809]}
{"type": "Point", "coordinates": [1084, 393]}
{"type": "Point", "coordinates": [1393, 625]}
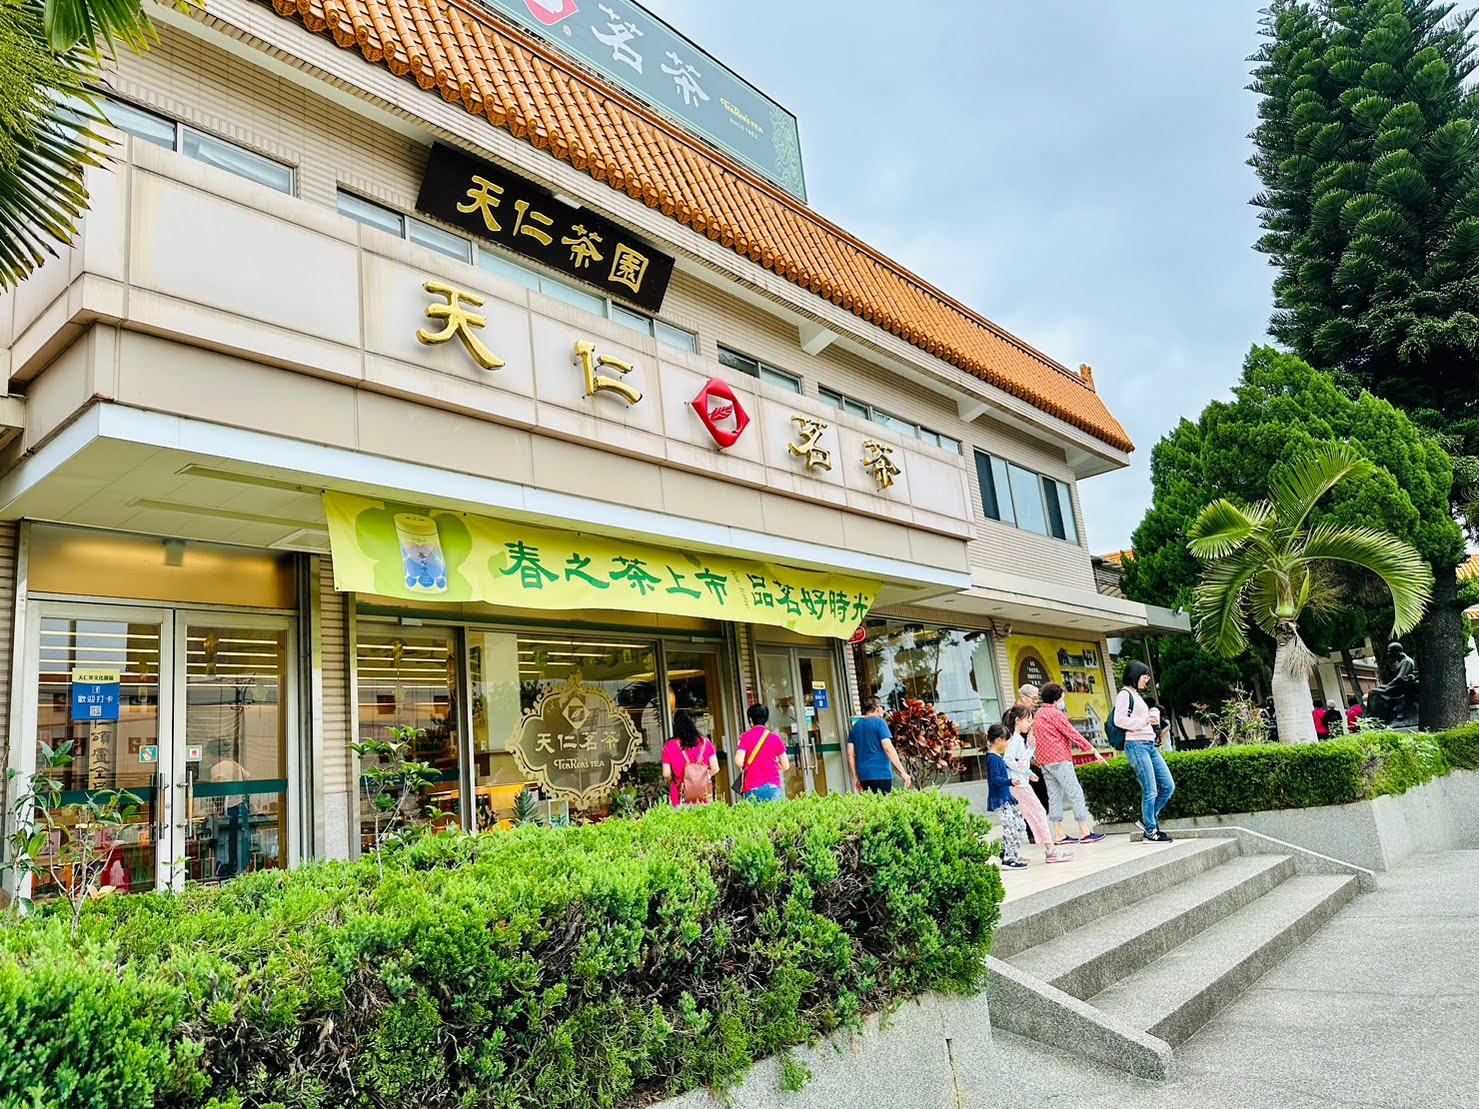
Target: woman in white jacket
{"type": "Point", "coordinates": [1018, 758]}
{"type": "Point", "coordinates": [1140, 724]}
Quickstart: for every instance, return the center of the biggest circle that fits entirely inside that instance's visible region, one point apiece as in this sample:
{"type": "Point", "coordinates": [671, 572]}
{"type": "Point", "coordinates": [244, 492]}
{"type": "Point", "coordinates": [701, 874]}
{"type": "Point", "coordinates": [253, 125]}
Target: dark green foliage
{"type": "Point", "coordinates": [1368, 150]}
{"type": "Point", "coordinates": [1461, 747]}
{"type": "Point", "coordinates": [1285, 776]}
{"type": "Point", "coordinates": [1281, 408]}
{"type": "Point", "coordinates": [592, 966]}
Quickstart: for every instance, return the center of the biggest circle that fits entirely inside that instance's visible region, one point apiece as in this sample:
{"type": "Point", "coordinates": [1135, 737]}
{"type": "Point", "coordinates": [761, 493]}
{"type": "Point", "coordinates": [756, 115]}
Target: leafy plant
{"type": "Point", "coordinates": [1237, 721]}
{"type": "Point", "coordinates": [594, 967]}
{"type": "Point", "coordinates": [927, 741]}
{"type": "Point", "coordinates": [794, 1074]}
{"type": "Point", "coordinates": [526, 808]}
{"type": "Point", "coordinates": [84, 838]}
{"type": "Point", "coordinates": [32, 800]}
{"type": "Point", "coordinates": [1264, 563]}
{"type": "Point", "coordinates": [87, 845]}
{"type": "Point", "coordinates": [392, 784]}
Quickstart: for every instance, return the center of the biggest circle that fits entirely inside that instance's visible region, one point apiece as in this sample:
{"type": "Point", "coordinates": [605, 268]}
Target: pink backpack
{"type": "Point", "coordinates": [694, 789]}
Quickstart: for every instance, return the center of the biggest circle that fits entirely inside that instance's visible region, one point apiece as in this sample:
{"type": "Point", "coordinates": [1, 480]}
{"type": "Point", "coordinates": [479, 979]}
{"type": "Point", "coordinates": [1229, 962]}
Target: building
{"type": "Point", "coordinates": [410, 372]}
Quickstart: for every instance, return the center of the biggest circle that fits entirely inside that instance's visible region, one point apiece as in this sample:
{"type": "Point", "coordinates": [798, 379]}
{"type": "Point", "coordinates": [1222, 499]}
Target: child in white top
{"type": "Point", "coordinates": [1018, 758]}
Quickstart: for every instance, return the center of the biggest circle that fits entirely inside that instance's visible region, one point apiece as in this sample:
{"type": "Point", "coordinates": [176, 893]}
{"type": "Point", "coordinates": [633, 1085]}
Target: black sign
{"type": "Point", "coordinates": [494, 204]}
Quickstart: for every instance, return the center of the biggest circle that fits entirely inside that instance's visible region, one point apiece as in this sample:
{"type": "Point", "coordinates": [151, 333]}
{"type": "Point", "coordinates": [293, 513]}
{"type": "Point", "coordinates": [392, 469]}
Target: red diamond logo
{"type": "Point", "coordinates": [550, 12]}
{"type": "Point", "coordinates": [721, 412]}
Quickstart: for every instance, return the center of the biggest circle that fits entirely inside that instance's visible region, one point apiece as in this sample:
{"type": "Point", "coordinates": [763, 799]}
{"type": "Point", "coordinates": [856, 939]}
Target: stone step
{"type": "Point", "coordinates": [1062, 909]}
{"type": "Point", "coordinates": [1089, 960]}
{"type": "Point", "coordinates": [1178, 993]}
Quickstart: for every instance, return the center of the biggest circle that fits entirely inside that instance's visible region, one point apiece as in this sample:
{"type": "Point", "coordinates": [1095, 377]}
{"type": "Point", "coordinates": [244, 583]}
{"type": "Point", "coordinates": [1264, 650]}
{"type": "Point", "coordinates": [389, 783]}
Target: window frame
{"type": "Point", "coordinates": [897, 424]}
{"type": "Point", "coordinates": [1001, 498]}
{"type": "Point", "coordinates": [180, 130]}
{"type": "Point", "coordinates": [759, 370]}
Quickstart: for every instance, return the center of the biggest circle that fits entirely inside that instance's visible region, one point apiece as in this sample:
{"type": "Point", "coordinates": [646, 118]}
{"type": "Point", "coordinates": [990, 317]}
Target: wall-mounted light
{"type": "Point", "coordinates": [174, 552]}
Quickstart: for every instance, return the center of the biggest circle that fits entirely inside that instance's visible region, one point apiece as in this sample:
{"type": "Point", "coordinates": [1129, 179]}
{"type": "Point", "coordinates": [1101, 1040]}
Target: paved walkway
{"type": "Point", "coordinates": [1380, 1008]}
{"type": "Point", "coordinates": [1088, 858]}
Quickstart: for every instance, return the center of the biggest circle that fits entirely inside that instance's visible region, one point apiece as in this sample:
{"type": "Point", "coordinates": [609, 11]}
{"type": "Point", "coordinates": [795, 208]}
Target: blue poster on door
{"type": "Point", "coordinates": [95, 694]}
{"type": "Point", "coordinates": [819, 699]}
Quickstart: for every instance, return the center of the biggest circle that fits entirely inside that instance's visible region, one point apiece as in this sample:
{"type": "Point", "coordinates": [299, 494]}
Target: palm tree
{"type": "Point", "coordinates": [1264, 564]}
{"type": "Point", "coordinates": [51, 53]}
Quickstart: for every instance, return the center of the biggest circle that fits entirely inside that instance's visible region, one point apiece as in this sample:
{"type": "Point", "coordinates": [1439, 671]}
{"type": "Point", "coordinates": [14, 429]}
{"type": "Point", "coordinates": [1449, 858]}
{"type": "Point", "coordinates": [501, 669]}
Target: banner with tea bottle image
{"type": "Point", "coordinates": [415, 552]}
{"type": "Point", "coordinates": [1075, 665]}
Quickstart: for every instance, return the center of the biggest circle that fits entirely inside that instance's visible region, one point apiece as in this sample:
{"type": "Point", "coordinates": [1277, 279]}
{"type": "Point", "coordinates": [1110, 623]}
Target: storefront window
{"type": "Point", "coordinates": [953, 669]}
{"type": "Point", "coordinates": [408, 678]}
{"type": "Point", "coordinates": [510, 670]}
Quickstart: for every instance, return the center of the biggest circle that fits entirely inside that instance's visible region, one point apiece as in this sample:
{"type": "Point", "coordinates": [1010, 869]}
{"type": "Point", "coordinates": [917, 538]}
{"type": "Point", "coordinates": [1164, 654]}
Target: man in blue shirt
{"type": "Point", "coordinates": [870, 751]}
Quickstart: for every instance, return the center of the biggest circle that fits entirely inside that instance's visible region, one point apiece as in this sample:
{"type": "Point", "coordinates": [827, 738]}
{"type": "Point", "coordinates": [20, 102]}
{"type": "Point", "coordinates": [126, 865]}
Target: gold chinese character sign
{"type": "Point", "coordinates": [500, 207]}
{"type": "Point", "coordinates": [808, 433]}
{"type": "Point", "coordinates": [587, 358]}
{"type": "Point", "coordinates": [877, 462]}
{"type": "Point", "coordinates": [459, 322]}
{"type": "Point", "coordinates": [575, 741]}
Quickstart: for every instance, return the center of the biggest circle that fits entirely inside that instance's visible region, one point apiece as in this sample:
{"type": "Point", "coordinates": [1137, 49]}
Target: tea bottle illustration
{"type": "Point", "coordinates": [422, 559]}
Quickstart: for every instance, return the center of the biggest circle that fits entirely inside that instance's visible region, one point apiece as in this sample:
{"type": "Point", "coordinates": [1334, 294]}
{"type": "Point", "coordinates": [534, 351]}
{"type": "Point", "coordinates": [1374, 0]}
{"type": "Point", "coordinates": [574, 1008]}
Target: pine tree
{"type": "Point", "coordinates": [1368, 150]}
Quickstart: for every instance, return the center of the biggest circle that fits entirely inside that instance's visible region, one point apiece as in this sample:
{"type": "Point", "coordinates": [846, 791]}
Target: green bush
{"type": "Point", "coordinates": [1461, 747]}
{"type": "Point", "coordinates": [1284, 776]}
{"type": "Point", "coordinates": [593, 966]}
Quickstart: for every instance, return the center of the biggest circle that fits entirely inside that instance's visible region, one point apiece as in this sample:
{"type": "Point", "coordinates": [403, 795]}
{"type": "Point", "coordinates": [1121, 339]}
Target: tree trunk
{"type": "Point", "coordinates": [1293, 706]}
{"type": "Point", "coordinates": [1443, 700]}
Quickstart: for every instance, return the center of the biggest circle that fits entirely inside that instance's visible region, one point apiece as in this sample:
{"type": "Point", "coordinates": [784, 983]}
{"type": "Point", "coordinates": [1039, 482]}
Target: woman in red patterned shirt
{"type": "Point", "coordinates": [1056, 737]}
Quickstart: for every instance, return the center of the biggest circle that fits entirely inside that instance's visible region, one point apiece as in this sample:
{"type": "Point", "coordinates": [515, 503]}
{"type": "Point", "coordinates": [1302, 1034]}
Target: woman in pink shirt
{"type": "Point", "coordinates": [690, 762]}
{"type": "Point", "coordinates": [1056, 739]}
{"type": "Point", "coordinates": [762, 756]}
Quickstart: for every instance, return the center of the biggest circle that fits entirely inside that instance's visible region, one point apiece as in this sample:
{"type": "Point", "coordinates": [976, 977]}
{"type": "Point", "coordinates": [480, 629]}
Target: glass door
{"type": "Point", "coordinates": [235, 721]}
{"type": "Point", "coordinates": [800, 687]}
{"type": "Point", "coordinates": [695, 686]}
{"type": "Point", "coordinates": [824, 724]}
{"type": "Point", "coordinates": [102, 675]}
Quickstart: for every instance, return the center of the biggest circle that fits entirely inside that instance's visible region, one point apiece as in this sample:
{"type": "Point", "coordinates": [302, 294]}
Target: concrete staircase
{"type": "Point", "coordinates": [1125, 964]}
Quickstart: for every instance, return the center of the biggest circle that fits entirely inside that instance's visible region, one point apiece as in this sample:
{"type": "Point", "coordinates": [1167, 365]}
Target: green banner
{"type": "Point", "coordinates": [414, 552]}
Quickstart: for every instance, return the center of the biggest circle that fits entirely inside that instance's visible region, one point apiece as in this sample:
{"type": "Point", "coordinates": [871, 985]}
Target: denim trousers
{"type": "Point", "coordinates": [765, 793]}
{"type": "Point", "coordinates": [1156, 783]}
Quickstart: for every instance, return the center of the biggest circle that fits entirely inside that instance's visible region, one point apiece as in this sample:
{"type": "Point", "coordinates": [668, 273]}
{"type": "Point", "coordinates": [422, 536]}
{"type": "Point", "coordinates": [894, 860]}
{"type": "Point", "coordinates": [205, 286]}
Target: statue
{"type": "Point", "coordinates": [1396, 702]}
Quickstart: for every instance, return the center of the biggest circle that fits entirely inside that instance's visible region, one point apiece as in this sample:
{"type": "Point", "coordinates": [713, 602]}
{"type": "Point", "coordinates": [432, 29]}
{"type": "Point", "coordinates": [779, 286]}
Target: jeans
{"type": "Point", "coordinates": [1156, 783]}
{"type": "Point", "coordinates": [765, 793]}
{"type": "Point", "coordinates": [876, 785]}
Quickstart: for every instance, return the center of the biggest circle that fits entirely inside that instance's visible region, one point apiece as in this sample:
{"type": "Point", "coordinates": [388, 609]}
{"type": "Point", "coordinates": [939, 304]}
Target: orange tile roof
{"type": "Point", "coordinates": [1469, 569]}
{"type": "Point", "coordinates": [521, 86]}
{"type": "Point", "coordinates": [1117, 558]}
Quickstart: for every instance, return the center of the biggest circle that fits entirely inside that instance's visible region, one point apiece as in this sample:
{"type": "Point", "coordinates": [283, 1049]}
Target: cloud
{"type": "Point", "coordinates": [1074, 171]}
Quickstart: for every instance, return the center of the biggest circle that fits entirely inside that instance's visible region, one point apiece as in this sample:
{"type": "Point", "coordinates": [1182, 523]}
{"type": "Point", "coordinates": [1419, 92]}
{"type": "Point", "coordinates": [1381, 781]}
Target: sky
{"type": "Point", "coordinates": [1074, 170]}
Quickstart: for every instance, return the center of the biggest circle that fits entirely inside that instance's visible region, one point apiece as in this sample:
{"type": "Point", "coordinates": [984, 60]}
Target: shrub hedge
{"type": "Point", "coordinates": [1286, 776]}
{"type": "Point", "coordinates": [606, 965]}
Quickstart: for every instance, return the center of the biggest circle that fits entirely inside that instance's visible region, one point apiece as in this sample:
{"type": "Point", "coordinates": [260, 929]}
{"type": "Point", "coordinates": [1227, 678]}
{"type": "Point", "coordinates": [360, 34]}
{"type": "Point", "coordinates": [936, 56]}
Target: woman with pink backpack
{"type": "Point", "coordinates": [690, 763]}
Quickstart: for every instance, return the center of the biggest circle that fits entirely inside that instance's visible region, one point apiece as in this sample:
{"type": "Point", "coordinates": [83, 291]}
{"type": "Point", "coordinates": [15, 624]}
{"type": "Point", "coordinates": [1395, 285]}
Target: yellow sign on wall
{"type": "Point", "coordinates": [1077, 666]}
{"type": "Point", "coordinates": [419, 553]}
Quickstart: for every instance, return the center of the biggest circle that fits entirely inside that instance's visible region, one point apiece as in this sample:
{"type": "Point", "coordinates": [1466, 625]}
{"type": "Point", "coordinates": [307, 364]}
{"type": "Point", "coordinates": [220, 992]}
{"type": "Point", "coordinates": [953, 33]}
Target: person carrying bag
{"type": "Point", "coordinates": [1140, 726]}
{"type": "Point", "coordinates": [761, 755]}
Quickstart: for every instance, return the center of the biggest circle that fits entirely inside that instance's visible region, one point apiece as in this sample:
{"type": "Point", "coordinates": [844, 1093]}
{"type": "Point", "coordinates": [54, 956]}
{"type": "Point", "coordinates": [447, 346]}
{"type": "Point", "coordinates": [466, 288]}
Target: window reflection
{"type": "Point", "coordinates": [509, 671]}
{"type": "Point", "coordinates": [408, 678]}
{"type": "Point", "coordinates": [953, 669]}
